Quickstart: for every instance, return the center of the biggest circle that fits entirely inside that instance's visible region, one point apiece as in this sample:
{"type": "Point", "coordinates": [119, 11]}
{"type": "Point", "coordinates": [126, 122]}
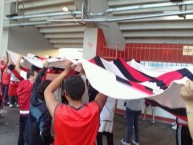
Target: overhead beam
{"type": "Point", "coordinates": [44, 3]}
{"type": "Point", "coordinates": [44, 15]}
{"type": "Point", "coordinates": [147, 6]}
{"type": "Point", "coordinates": [68, 45]}
{"type": "Point", "coordinates": [149, 11]}
{"type": "Point", "coordinates": [70, 41]}
{"type": "Point", "coordinates": [54, 17]}
{"type": "Point", "coordinates": [161, 40]}
{"type": "Point", "coordinates": [59, 25]}
{"type": "Point", "coordinates": [64, 35]}
{"type": "Point", "coordinates": [159, 33]}
{"type": "Point", "coordinates": [152, 20]}
{"type": "Point", "coordinates": [49, 9]}
{"type": "Point", "coordinates": [176, 25]}
{"type": "Point", "coordinates": [119, 3]}
{"type": "Point", "coordinates": [61, 30]}
{"type": "Point", "coordinates": [11, 1]}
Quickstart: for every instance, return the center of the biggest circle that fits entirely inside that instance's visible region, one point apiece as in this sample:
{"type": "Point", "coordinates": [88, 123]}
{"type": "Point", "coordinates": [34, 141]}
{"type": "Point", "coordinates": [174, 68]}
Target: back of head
{"type": "Point", "coordinates": [11, 67]}
{"type": "Point", "coordinates": [41, 88]}
{"type": "Point", "coordinates": [35, 68]}
{"type": "Point", "coordinates": [74, 87]}
{"type": "Point", "coordinates": [30, 73]}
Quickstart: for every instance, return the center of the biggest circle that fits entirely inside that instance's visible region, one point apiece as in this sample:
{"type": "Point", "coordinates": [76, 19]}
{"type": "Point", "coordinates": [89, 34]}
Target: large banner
{"type": "Point", "coordinates": [129, 80]}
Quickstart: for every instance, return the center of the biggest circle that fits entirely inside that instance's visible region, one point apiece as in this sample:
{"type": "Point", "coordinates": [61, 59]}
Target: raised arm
{"type": "Point", "coordinates": [101, 100]}
{"type": "Point", "coordinates": [50, 98]}
{"type": "Point", "coordinates": [40, 75]}
{"type": "Point", "coordinates": [17, 66]}
{"type": "Point", "coordinates": [186, 92]}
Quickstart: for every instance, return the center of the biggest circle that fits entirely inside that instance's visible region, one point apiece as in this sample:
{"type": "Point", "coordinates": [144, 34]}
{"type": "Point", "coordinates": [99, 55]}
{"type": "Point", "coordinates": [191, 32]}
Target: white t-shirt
{"type": "Point", "coordinates": [23, 74]}
{"type": "Point", "coordinates": [13, 77]}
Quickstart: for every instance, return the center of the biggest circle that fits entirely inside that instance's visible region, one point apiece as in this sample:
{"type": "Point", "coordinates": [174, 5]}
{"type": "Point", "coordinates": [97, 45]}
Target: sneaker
{"type": "Point", "coordinates": [123, 141]}
{"type": "Point", "coordinates": [174, 127]}
{"type": "Point", "coordinates": [17, 106]}
{"type": "Point", "coordinates": [135, 143]}
{"type": "Point", "coordinates": [153, 122]}
{"type": "Point", "coordinates": [173, 123]}
{"type": "Point", "coordinates": [10, 105]}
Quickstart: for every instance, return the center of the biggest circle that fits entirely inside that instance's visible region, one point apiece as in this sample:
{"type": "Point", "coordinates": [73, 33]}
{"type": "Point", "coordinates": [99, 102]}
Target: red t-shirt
{"type": "Point", "coordinates": [24, 91]}
{"type": "Point", "coordinates": [5, 78]}
{"type": "Point", "coordinates": [76, 127]}
{"type": "Point", "coordinates": [2, 67]}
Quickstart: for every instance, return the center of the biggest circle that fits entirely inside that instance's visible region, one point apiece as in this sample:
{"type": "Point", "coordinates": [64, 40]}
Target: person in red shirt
{"type": "Point", "coordinates": [24, 91]}
{"type": "Point", "coordinates": [3, 65]}
{"type": "Point", "coordinates": [2, 68]}
{"type": "Point", "coordinates": [5, 81]}
{"type": "Point", "coordinates": [76, 123]}
{"type": "Point", "coordinates": [1, 104]}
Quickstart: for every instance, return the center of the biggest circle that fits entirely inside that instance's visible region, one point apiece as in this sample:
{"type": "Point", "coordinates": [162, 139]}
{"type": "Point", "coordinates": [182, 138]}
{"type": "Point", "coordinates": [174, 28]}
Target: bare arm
{"type": "Point", "coordinates": [50, 99]}
{"type": "Point", "coordinates": [17, 66]}
{"type": "Point", "coordinates": [186, 93]}
{"type": "Point", "coordinates": [101, 100]}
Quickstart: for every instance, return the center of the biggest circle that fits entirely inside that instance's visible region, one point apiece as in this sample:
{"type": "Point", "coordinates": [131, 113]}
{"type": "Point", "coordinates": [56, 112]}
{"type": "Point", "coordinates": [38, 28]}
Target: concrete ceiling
{"type": "Point", "coordinates": [168, 29]}
{"type": "Point", "coordinates": [69, 34]}
{"type": "Point", "coordinates": [60, 35]}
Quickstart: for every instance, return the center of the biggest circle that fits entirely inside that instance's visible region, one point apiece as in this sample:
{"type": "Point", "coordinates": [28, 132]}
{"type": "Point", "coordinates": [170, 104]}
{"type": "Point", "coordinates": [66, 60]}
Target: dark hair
{"type": "Point", "coordinates": [41, 88]}
{"type": "Point", "coordinates": [35, 68]}
{"type": "Point", "coordinates": [75, 87]}
{"type": "Point", "coordinates": [30, 73]}
{"type": "Point", "coordinates": [11, 67]}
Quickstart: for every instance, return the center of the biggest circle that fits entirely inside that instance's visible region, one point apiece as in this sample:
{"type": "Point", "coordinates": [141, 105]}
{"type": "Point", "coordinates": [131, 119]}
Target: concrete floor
{"type": "Point", "coordinates": [157, 134]}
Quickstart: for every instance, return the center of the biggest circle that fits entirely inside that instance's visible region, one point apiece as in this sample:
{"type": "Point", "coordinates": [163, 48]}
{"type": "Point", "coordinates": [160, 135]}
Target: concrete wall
{"type": "Point", "coordinates": [27, 39]}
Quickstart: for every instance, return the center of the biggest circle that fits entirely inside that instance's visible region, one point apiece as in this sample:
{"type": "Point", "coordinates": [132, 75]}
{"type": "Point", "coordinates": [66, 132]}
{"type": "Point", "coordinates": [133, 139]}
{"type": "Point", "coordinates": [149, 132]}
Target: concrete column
{"type": "Point", "coordinates": [1, 22]}
{"type": "Point", "coordinates": [112, 32]}
{"type": "Point", "coordinates": [5, 31]}
{"type": "Point", "coordinates": [90, 42]}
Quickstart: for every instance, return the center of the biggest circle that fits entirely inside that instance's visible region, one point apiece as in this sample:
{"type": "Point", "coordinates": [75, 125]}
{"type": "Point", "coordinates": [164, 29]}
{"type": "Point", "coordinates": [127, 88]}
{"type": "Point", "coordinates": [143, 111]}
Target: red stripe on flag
{"type": "Point", "coordinates": [138, 75]}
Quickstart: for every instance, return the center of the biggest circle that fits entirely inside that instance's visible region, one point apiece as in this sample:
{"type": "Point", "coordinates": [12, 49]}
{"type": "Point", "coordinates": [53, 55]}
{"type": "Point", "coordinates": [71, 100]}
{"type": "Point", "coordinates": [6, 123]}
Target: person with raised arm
{"type": "Point", "coordinates": [76, 123]}
{"type": "Point", "coordinates": [38, 125]}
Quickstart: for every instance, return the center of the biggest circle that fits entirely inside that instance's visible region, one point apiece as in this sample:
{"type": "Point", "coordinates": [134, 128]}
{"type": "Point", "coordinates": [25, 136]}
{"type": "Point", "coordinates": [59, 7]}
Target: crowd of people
{"type": "Point", "coordinates": [74, 122]}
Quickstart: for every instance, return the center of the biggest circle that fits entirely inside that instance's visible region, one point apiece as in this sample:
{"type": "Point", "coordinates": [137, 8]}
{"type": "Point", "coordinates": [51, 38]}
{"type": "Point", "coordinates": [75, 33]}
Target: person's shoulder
{"type": "Point", "coordinates": [93, 104]}
{"type": "Point", "coordinates": [60, 108]}
{"type": "Point", "coordinates": [25, 82]}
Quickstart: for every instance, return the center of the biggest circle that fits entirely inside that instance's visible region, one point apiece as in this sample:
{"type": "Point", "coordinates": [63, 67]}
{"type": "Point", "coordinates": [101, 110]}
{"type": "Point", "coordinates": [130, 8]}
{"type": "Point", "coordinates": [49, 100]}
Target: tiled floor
{"type": "Point", "coordinates": [157, 134]}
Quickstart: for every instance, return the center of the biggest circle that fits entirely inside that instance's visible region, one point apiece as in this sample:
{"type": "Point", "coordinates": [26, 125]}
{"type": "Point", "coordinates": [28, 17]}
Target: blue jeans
{"type": "Point", "coordinates": [5, 93]}
{"type": "Point", "coordinates": [12, 100]}
{"type": "Point", "coordinates": [132, 120]}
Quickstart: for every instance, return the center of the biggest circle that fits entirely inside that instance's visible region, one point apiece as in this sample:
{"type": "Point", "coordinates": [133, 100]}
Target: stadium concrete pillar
{"type": "Point", "coordinates": [90, 42]}
{"type": "Point", "coordinates": [4, 32]}
{"type": "Point", "coordinates": [1, 22]}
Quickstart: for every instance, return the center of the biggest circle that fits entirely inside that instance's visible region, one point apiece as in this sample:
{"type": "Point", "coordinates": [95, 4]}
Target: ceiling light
{"type": "Point", "coordinates": [65, 9]}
